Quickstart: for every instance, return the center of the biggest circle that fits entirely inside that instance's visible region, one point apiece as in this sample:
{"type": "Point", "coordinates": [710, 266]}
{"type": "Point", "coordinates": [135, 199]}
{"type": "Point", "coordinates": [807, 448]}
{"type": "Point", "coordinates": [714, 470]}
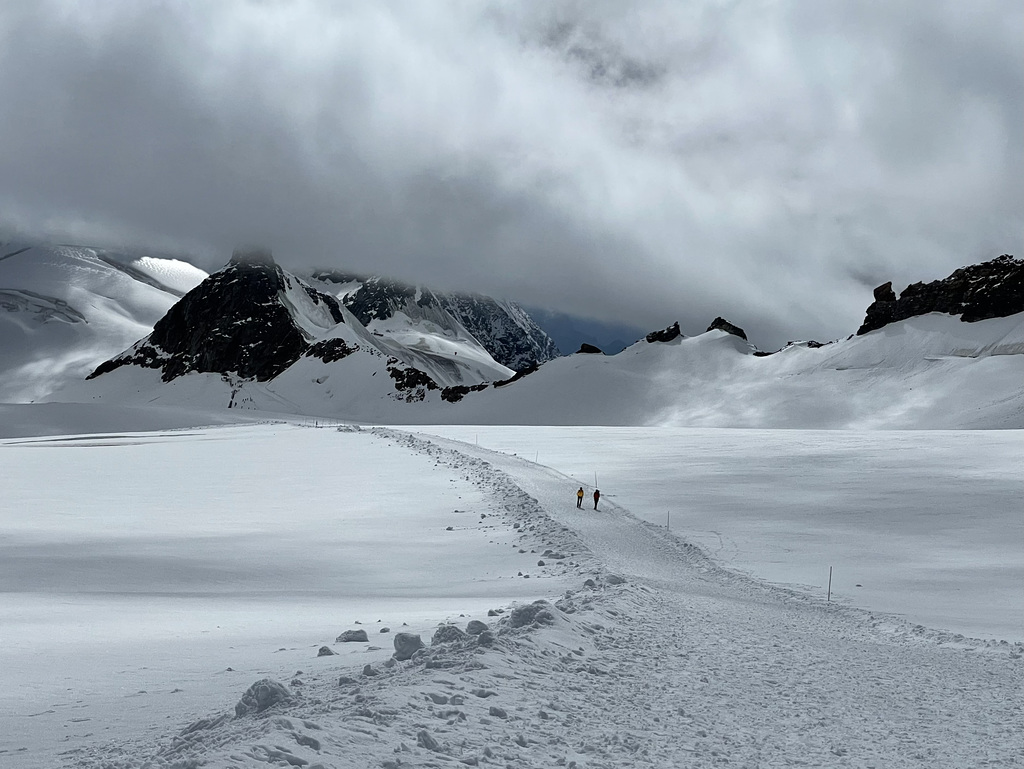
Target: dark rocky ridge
{"type": "Point", "coordinates": [673, 332]}
{"type": "Point", "coordinates": [722, 324]}
{"type": "Point", "coordinates": [233, 322]}
{"type": "Point", "coordinates": [504, 329]}
{"type": "Point", "coordinates": [993, 289]}
{"type": "Point", "coordinates": [666, 335]}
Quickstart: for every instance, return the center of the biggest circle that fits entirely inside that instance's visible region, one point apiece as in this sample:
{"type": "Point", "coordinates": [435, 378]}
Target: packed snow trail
{"type": "Point", "coordinates": [660, 658]}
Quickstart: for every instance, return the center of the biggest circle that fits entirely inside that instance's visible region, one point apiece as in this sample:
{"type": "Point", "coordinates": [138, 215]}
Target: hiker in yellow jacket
{"type": "Point", "coordinates": [579, 497]}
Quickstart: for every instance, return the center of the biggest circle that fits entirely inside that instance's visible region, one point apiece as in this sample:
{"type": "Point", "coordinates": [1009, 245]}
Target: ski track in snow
{"type": "Point", "coordinates": [662, 658]}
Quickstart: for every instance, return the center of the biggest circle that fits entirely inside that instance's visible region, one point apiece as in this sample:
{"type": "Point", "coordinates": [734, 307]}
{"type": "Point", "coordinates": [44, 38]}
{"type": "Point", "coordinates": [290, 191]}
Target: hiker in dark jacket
{"type": "Point", "coordinates": [597, 496]}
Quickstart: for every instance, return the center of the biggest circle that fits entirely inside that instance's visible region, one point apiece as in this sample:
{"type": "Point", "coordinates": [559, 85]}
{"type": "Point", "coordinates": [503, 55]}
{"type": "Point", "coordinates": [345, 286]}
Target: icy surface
{"type": "Point", "coordinates": [925, 524]}
{"type": "Point", "coordinates": [167, 572]}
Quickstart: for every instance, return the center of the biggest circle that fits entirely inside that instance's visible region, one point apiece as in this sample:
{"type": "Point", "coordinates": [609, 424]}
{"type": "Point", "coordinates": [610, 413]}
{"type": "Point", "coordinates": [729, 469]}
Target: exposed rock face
{"type": "Point", "coordinates": [412, 382]}
{"type": "Point", "coordinates": [666, 335]}
{"type": "Point", "coordinates": [502, 328]}
{"type": "Point", "coordinates": [456, 393]}
{"type": "Point", "coordinates": [523, 372]}
{"type": "Point", "coordinates": [235, 321]}
{"type": "Point", "coordinates": [723, 325]}
{"type": "Point", "coordinates": [330, 350]}
{"type": "Point", "coordinates": [884, 293]}
{"type": "Point", "coordinates": [993, 289]}
{"type": "Point", "coordinates": [589, 349]}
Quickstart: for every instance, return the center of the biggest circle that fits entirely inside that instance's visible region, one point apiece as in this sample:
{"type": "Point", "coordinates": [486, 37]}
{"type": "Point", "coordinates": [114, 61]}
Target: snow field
{"type": "Point", "coordinates": [141, 566]}
{"type": "Point", "coordinates": [924, 524]}
{"type": "Point", "coordinates": [669, 661]}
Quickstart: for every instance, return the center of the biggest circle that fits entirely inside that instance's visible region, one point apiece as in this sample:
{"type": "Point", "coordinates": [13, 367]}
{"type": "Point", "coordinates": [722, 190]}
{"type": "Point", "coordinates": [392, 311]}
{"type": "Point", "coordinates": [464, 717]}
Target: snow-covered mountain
{"type": "Point", "coordinates": [67, 312]}
{"type": "Point", "coordinates": [63, 309]}
{"type": "Point", "coordinates": [255, 336]}
{"type": "Point", "coordinates": [926, 371]}
{"type": "Point", "coordinates": [503, 328]}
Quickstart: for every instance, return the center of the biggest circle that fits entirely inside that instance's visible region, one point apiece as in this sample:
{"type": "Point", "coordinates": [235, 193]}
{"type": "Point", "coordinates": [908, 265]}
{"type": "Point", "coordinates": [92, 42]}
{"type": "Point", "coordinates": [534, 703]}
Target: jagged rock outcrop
{"type": "Point", "coordinates": [993, 289]}
{"type": "Point", "coordinates": [589, 349]}
{"type": "Point", "coordinates": [665, 335]}
{"type": "Point", "coordinates": [241, 320]}
{"type": "Point", "coordinates": [502, 328]}
{"type": "Point", "coordinates": [722, 324]}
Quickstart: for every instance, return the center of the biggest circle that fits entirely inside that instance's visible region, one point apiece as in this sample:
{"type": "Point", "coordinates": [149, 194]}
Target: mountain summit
{"type": "Point", "coordinates": [251, 318]}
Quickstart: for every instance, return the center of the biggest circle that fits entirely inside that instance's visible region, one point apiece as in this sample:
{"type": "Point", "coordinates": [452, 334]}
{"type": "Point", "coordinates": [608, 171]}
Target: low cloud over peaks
{"type": "Point", "coordinates": [768, 163]}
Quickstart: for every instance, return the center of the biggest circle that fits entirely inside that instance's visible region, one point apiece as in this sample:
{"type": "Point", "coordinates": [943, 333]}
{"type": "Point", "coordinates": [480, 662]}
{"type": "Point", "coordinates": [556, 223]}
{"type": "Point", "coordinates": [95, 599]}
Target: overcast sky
{"type": "Point", "coordinates": [770, 162]}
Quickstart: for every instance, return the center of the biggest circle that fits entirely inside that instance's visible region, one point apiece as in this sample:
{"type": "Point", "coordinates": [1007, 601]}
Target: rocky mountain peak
{"type": "Point", "coordinates": [722, 324]}
{"type": "Point", "coordinates": [250, 318]}
{"type": "Point", "coordinates": [993, 289]}
{"type": "Point", "coordinates": [665, 335]}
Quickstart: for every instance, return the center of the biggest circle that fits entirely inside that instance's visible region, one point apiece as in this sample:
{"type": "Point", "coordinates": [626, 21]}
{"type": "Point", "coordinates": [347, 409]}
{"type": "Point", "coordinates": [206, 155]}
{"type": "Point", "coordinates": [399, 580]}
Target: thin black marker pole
{"type": "Point", "coordinates": [829, 599]}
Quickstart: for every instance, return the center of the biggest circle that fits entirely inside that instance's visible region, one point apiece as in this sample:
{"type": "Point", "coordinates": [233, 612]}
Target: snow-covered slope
{"type": "Point", "coordinates": [932, 371]}
{"type": "Point", "coordinates": [64, 309]}
{"type": "Point", "coordinates": [502, 328]}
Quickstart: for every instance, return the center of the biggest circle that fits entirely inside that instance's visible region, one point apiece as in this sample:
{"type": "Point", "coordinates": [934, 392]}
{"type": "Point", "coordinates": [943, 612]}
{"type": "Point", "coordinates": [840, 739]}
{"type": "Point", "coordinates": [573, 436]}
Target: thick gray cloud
{"type": "Point", "coordinates": [766, 161]}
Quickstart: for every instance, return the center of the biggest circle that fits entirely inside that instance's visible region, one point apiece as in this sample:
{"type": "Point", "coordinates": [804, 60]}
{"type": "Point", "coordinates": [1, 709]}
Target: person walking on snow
{"type": "Point", "coordinates": [579, 497]}
{"type": "Point", "coordinates": [597, 496]}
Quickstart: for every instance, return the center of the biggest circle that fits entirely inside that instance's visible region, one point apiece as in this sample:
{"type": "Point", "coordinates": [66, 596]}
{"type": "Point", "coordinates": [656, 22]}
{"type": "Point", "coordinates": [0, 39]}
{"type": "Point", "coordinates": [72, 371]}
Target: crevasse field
{"type": "Point", "coordinates": [149, 578]}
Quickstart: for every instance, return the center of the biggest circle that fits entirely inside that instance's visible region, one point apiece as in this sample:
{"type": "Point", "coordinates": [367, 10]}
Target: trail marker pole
{"type": "Point", "coordinates": [829, 599]}
{"type": "Point", "coordinates": [668, 524]}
